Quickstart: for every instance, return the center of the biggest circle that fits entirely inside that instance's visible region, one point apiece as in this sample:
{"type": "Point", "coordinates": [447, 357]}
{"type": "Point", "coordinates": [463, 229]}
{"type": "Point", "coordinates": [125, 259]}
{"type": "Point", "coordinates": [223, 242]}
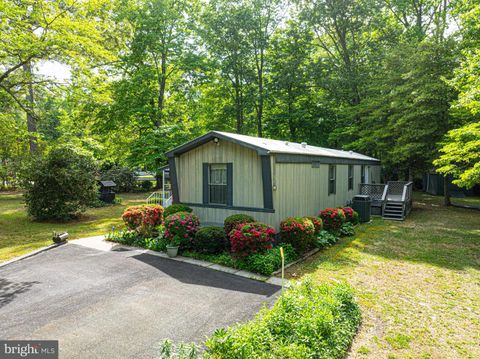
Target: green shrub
{"type": "Point", "coordinates": [268, 262]}
{"type": "Point", "coordinates": [60, 185]}
{"type": "Point", "coordinates": [299, 232]}
{"type": "Point", "coordinates": [234, 220]}
{"type": "Point", "coordinates": [123, 177]}
{"type": "Point", "coordinates": [308, 321]}
{"type": "Point", "coordinates": [210, 240]}
{"type": "Point", "coordinates": [325, 238]}
{"type": "Point", "coordinates": [146, 186]}
{"type": "Point", "coordinates": [347, 229]}
{"type": "Point", "coordinates": [175, 208]}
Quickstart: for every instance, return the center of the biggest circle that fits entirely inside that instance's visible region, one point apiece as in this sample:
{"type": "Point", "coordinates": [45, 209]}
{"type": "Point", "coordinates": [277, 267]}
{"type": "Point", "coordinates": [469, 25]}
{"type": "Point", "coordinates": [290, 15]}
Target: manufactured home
{"type": "Point", "coordinates": [220, 174]}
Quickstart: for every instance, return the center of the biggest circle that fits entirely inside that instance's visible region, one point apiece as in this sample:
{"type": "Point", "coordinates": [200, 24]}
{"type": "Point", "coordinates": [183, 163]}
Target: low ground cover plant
{"type": "Point", "coordinates": [231, 222]}
{"type": "Point", "coordinates": [251, 238]}
{"type": "Point", "coordinates": [325, 239]}
{"type": "Point", "coordinates": [347, 229]}
{"type": "Point", "coordinates": [309, 320]}
{"type": "Point", "coordinates": [268, 262]}
{"type": "Point", "coordinates": [299, 232]}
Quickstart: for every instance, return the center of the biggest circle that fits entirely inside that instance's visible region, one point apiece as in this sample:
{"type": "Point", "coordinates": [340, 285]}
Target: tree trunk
{"type": "Point", "coordinates": [161, 92]}
{"type": "Point", "coordinates": [238, 105]}
{"type": "Point", "coordinates": [446, 192]}
{"type": "Point", "coordinates": [31, 121]}
{"type": "Point", "coordinates": [260, 94]}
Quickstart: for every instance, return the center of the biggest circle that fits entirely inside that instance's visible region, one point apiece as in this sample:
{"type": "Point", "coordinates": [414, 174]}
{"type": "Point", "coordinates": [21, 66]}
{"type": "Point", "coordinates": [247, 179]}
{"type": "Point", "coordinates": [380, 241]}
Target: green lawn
{"type": "Point", "coordinates": [19, 234]}
{"type": "Point", "coordinates": [418, 282]}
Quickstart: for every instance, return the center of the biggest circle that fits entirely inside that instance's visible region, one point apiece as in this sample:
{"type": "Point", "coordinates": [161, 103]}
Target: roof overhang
{"type": "Point", "coordinates": [280, 157]}
{"type": "Point", "coordinates": [210, 136]}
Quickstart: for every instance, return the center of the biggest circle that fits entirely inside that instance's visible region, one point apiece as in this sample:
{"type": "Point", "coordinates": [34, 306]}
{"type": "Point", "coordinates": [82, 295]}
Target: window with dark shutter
{"type": "Point", "coordinates": [332, 178]}
{"type": "Point", "coordinates": [350, 177]}
{"type": "Point", "coordinates": [217, 184]}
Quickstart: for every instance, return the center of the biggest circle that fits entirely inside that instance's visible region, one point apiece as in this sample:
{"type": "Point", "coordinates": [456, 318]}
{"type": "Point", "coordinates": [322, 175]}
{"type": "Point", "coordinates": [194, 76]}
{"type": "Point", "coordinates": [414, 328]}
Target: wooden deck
{"type": "Point", "coordinates": [392, 200]}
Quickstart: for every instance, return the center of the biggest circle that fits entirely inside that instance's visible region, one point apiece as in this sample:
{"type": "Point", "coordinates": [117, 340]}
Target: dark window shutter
{"type": "Point", "coordinates": [230, 184]}
{"type": "Point", "coordinates": [205, 183]}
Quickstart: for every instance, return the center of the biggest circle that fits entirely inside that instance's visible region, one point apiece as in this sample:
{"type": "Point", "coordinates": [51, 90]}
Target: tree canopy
{"type": "Point", "coordinates": [395, 79]}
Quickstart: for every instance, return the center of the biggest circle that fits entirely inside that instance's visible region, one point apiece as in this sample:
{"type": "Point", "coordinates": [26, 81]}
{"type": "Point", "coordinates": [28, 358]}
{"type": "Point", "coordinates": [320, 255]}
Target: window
{"type": "Point", "coordinates": [362, 178]}
{"type": "Point", "coordinates": [332, 169]}
{"type": "Point", "coordinates": [350, 177]}
{"type": "Point", "coordinates": [217, 184]}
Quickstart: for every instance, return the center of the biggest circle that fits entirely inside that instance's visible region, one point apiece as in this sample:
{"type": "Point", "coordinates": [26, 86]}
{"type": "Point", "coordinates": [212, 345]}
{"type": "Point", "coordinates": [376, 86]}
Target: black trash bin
{"type": "Point", "coordinates": [363, 205]}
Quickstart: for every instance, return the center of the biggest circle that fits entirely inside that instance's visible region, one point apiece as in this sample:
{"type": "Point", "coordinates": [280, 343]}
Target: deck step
{"type": "Point", "coordinates": [394, 210]}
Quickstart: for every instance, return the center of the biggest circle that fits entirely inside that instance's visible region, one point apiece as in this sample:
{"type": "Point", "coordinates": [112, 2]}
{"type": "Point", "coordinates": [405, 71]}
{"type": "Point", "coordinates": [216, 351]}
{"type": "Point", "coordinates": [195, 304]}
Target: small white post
{"type": "Point", "coordinates": [163, 188]}
{"type": "Point", "coordinates": [283, 265]}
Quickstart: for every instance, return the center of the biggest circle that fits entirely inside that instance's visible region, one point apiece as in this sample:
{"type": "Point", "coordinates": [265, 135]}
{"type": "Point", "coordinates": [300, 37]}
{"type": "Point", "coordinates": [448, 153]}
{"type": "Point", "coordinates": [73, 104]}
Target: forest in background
{"type": "Point", "coordinates": [394, 79]}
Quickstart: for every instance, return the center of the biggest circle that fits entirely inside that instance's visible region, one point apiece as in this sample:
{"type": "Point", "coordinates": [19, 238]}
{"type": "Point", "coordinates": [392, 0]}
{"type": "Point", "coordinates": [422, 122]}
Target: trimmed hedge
{"type": "Point", "coordinates": [309, 320]}
{"type": "Point", "coordinates": [231, 222]}
{"type": "Point", "coordinates": [298, 232]}
{"type": "Point", "coordinates": [251, 238]}
{"type": "Point", "coordinates": [175, 208]}
{"type": "Point", "coordinates": [210, 240]}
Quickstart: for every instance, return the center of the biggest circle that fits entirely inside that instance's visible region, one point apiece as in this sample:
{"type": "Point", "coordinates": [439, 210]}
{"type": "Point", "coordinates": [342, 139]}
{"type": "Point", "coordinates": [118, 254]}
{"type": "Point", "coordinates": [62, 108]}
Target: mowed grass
{"type": "Point", "coordinates": [418, 282]}
{"type": "Point", "coordinates": [19, 234]}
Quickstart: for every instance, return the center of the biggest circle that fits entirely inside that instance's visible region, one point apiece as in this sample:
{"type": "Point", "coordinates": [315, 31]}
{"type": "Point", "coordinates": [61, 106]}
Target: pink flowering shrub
{"type": "Point", "coordinates": [181, 227]}
{"type": "Point", "coordinates": [332, 218]}
{"type": "Point", "coordinates": [143, 219]}
{"type": "Point", "coordinates": [299, 232]}
{"type": "Point", "coordinates": [251, 238]}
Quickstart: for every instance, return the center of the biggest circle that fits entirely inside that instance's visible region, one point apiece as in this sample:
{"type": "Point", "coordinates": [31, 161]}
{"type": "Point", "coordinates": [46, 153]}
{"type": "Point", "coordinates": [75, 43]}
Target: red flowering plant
{"type": "Point", "coordinates": [143, 219]}
{"type": "Point", "coordinates": [180, 228]}
{"type": "Point", "coordinates": [351, 215]}
{"type": "Point", "coordinates": [299, 232]}
{"type": "Point", "coordinates": [332, 218]}
{"type": "Point", "coordinates": [251, 238]}
{"type": "Point", "coordinates": [233, 221]}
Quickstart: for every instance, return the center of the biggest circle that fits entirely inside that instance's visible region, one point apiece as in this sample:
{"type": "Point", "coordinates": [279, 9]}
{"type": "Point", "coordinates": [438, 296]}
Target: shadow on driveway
{"type": "Point", "coordinates": [9, 290]}
{"type": "Point", "coordinates": [192, 274]}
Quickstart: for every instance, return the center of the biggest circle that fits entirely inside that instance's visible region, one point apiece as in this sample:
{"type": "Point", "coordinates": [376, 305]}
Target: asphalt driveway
{"type": "Point", "coordinates": [121, 304]}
